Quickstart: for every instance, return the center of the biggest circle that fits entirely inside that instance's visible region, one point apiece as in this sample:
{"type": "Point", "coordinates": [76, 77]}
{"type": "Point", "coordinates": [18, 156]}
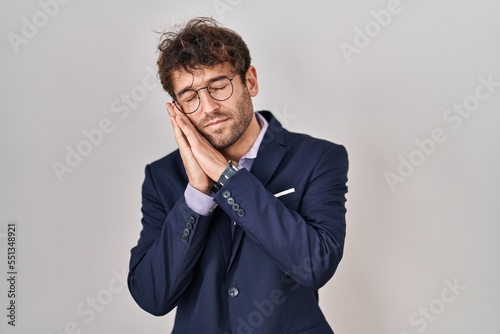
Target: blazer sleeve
{"type": "Point", "coordinates": [306, 244]}
{"type": "Point", "coordinates": [171, 241]}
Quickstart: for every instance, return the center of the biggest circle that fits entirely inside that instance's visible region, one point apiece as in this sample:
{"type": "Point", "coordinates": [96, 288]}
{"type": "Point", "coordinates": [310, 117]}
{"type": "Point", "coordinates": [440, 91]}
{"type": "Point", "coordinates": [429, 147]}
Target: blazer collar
{"type": "Point", "coordinates": [271, 152]}
{"type": "Point", "coordinates": [271, 149]}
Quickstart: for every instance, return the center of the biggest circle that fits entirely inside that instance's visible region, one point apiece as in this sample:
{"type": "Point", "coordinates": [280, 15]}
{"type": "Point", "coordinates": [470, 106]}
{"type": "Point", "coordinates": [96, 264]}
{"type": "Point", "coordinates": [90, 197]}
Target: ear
{"type": "Point", "coordinates": [251, 81]}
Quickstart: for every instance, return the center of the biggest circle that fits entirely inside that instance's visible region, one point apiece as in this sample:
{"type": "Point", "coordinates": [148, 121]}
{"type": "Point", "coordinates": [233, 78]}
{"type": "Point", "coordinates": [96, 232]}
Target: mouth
{"type": "Point", "coordinates": [215, 123]}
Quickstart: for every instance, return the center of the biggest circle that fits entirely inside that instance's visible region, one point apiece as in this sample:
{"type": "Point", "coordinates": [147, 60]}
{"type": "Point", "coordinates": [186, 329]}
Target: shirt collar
{"type": "Point", "coordinates": [252, 153]}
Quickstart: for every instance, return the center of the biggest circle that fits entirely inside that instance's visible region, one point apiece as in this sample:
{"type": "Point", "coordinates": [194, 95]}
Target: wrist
{"type": "Point", "coordinates": [226, 174]}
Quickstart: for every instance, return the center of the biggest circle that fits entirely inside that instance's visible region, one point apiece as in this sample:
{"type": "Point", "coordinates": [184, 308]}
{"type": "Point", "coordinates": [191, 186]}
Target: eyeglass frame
{"type": "Point", "coordinates": [206, 87]}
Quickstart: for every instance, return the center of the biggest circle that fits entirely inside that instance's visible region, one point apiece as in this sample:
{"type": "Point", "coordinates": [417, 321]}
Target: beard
{"type": "Point", "coordinates": [241, 117]}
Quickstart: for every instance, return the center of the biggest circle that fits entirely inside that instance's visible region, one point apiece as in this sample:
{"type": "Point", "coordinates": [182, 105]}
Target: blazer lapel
{"type": "Point", "coordinates": [223, 228]}
{"type": "Point", "coordinates": [238, 235]}
{"type": "Point", "coordinates": [271, 152]}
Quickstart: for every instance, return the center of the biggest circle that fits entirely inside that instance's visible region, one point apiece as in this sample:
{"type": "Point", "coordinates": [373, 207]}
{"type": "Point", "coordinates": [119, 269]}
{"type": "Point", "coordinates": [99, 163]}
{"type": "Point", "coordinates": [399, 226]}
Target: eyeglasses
{"type": "Point", "coordinates": [219, 89]}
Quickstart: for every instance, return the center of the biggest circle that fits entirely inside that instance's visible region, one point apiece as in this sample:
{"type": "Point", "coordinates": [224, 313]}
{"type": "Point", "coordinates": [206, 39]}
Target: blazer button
{"type": "Point", "coordinates": [185, 238]}
{"type": "Point", "coordinates": [226, 194]}
{"type": "Point", "coordinates": [233, 292]}
{"type": "Point", "coordinates": [230, 201]}
{"type": "Point", "coordinates": [189, 226]}
{"type": "Point", "coordinates": [191, 220]}
{"type": "Point", "coordinates": [186, 232]}
{"type": "Point", "coordinates": [236, 207]}
{"type": "Point", "coordinates": [241, 213]}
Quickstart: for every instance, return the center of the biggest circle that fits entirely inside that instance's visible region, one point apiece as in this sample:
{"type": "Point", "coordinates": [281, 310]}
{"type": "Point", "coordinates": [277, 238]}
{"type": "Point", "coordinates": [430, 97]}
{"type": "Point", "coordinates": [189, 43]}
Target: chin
{"type": "Point", "coordinates": [219, 142]}
{"type": "Point", "coordinates": [222, 145]}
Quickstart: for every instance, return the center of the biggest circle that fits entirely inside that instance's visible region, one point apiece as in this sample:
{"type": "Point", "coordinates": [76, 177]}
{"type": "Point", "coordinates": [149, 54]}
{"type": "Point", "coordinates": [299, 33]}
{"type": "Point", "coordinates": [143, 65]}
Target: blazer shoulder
{"type": "Point", "coordinates": [296, 141]}
{"type": "Point", "coordinates": [169, 165]}
{"type": "Point", "coordinates": [170, 159]}
{"type": "Point", "coordinates": [313, 145]}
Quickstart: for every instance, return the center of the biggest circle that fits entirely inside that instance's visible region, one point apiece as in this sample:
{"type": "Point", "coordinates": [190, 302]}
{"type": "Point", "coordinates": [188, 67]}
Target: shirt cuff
{"type": "Point", "coordinates": [199, 202]}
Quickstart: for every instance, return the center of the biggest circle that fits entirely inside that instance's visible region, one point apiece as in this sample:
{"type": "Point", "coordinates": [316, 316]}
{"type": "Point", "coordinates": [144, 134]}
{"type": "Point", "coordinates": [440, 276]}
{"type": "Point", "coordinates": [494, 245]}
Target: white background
{"type": "Point", "coordinates": [404, 242]}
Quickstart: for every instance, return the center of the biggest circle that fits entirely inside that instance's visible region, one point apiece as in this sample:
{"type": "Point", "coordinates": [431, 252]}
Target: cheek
{"type": "Point", "coordinates": [194, 120]}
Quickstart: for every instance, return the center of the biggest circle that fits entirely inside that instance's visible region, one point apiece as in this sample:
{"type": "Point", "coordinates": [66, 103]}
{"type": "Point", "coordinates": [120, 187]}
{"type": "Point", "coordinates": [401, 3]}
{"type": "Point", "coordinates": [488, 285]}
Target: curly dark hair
{"type": "Point", "coordinates": [200, 42]}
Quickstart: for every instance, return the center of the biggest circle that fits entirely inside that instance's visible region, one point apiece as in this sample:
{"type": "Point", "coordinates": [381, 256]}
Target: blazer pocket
{"type": "Point", "coordinates": [284, 192]}
{"type": "Point", "coordinates": [290, 198]}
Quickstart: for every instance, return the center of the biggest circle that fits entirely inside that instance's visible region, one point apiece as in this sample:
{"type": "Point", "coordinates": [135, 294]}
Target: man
{"type": "Point", "coordinates": [245, 221]}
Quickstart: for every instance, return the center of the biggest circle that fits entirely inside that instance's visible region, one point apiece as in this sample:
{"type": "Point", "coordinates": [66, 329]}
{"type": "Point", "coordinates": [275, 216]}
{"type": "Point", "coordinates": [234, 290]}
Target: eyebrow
{"type": "Point", "coordinates": [220, 77]}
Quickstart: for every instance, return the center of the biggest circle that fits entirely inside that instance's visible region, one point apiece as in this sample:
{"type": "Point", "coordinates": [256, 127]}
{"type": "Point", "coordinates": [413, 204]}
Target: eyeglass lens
{"type": "Point", "coordinates": [189, 100]}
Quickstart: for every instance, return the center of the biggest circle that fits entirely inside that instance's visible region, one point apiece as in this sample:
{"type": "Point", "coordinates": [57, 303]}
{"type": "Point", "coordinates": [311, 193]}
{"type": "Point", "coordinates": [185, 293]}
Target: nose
{"type": "Point", "coordinates": [207, 103]}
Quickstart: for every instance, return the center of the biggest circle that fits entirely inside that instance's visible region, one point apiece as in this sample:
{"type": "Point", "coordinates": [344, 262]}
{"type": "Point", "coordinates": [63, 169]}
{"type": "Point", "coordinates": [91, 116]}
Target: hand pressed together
{"type": "Point", "coordinates": [203, 163]}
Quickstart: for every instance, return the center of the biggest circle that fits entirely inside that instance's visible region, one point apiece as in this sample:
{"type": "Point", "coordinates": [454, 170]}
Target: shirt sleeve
{"type": "Point", "coordinates": [199, 202]}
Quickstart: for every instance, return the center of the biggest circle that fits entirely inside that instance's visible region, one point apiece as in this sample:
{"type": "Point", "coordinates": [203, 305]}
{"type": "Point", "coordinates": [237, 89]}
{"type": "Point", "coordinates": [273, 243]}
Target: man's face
{"type": "Point", "coordinates": [223, 123]}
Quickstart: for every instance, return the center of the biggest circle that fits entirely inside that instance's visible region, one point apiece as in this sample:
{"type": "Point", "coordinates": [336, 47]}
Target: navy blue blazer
{"type": "Point", "coordinates": [263, 278]}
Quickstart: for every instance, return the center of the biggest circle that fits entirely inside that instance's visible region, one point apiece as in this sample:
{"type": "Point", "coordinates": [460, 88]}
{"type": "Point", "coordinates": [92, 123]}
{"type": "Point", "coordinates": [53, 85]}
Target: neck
{"type": "Point", "coordinates": [243, 145]}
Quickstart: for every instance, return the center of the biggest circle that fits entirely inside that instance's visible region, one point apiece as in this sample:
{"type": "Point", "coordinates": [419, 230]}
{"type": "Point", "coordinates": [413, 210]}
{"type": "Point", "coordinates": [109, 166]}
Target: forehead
{"type": "Point", "coordinates": [197, 77]}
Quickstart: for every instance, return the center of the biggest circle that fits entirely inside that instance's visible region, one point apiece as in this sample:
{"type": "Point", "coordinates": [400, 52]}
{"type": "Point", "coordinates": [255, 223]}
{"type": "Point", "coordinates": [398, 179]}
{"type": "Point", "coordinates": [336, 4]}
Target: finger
{"type": "Point", "coordinates": [208, 158]}
{"type": "Point", "coordinates": [189, 130]}
{"type": "Point", "coordinates": [179, 136]}
{"type": "Point", "coordinates": [196, 176]}
{"type": "Point", "coordinates": [170, 108]}
{"type": "Point", "coordinates": [175, 125]}
{"type": "Point", "coordinates": [182, 120]}
{"type": "Point", "coordinates": [176, 111]}
{"type": "Point", "coordinates": [184, 147]}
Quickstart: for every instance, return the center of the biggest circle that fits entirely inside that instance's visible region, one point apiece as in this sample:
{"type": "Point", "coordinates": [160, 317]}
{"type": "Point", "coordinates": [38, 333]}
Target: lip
{"type": "Point", "coordinates": [216, 122]}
